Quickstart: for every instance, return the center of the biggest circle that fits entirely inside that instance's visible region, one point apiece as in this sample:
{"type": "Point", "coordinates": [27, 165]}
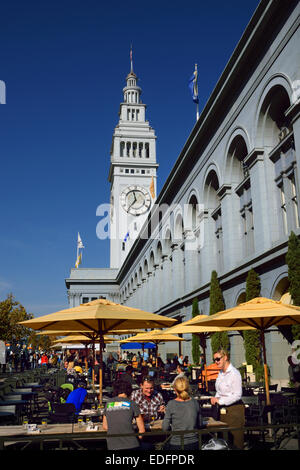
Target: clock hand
{"type": "Point", "coordinates": [133, 200]}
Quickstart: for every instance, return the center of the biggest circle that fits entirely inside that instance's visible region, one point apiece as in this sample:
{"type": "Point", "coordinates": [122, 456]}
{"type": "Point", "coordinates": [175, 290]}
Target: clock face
{"type": "Point", "coordinates": [135, 200]}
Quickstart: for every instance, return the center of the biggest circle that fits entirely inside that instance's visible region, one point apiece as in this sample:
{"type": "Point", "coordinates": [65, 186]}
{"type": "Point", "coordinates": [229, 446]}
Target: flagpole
{"type": "Point", "coordinates": [77, 248]}
{"type": "Point", "coordinates": [197, 104]}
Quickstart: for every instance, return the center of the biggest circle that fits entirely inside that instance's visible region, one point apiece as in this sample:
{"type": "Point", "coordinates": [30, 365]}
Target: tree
{"type": "Point", "coordinates": [11, 313]}
{"type": "Point", "coordinates": [195, 338]}
{"type": "Point", "coordinates": [293, 262]}
{"type": "Point", "coordinates": [252, 342]}
{"type": "Point", "coordinates": [42, 342]}
{"type": "Point", "coordinates": [220, 339]}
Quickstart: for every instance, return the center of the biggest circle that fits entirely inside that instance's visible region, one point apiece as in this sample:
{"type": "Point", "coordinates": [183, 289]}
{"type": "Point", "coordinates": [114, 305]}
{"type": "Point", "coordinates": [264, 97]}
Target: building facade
{"type": "Point", "coordinates": [231, 199]}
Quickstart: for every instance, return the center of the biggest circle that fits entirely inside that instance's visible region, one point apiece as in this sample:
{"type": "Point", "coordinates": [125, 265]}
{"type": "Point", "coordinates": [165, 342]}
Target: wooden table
{"type": "Point", "coordinates": [69, 428]}
{"type": "Point", "coordinates": [76, 434]}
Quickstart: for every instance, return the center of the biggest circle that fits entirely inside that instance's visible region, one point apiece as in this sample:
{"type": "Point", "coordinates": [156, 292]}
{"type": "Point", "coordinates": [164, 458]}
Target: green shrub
{"type": "Point", "coordinates": [220, 339]}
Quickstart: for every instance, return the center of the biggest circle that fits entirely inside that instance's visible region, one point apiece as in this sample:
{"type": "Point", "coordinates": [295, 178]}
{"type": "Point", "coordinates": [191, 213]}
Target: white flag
{"type": "Point", "coordinates": [79, 242]}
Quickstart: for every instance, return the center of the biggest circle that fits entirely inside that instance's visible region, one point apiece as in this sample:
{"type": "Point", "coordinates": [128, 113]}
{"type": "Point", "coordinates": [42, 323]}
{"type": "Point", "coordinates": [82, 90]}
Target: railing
{"type": "Point", "coordinates": [79, 439]}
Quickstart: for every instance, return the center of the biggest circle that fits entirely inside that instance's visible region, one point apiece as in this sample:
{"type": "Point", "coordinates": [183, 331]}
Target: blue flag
{"type": "Point", "coordinates": [193, 86]}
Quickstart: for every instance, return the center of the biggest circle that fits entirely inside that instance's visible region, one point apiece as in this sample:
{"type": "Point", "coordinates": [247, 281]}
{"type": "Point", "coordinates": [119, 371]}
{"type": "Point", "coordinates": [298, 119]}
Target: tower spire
{"type": "Point", "coordinates": [131, 61]}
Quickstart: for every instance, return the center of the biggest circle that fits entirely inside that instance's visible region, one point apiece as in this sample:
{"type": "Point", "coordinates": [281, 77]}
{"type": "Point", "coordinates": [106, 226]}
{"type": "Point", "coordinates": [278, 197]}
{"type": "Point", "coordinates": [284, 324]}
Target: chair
{"type": "Point", "coordinates": [273, 388]}
{"type": "Point", "coordinates": [8, 414]}
{"type": "Point", "coordinates": [63, 413]}
{"type": "Point", "coordinates": [288, 390]}
{"type": "Point", "coordinates": [247, 392]}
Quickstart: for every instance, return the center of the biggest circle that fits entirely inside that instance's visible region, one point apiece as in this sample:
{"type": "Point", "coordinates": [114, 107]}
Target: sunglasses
{"type": "Point", "coordinates": [217, 359]}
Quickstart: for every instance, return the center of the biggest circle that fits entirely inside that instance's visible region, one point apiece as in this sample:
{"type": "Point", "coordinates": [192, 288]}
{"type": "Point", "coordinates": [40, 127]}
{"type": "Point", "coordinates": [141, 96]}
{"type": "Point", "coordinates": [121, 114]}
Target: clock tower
{"type": "Point", "coordinates": [132, 173]}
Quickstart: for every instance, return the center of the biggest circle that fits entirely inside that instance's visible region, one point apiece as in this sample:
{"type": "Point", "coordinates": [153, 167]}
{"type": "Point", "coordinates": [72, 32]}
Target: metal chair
{"type": "Point", "coordinates": [63, 413]}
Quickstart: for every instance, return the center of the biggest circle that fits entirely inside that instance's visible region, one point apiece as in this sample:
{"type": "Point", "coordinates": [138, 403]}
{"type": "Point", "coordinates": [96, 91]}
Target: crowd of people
{"type": "Point", "coordinates": [22, 359]}
{"type": "Point", "coordinates": [138, 399]}
{"type": "Point", "coordinates": [146, 404]}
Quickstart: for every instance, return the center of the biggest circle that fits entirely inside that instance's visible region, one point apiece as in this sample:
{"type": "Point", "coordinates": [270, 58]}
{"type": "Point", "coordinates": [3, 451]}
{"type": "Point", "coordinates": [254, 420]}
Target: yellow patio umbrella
{"type": "Point", "coordinates": [81, 339]}
{"type": "Point", "coordinates": [56, 333]}
{"type": "Point", "coordinates": [99, 317]}
{"type": "Point", "coordinates": [203, 332]}
{"type": "Point", "coordinates": [154, 336]}
{"type": "Point", "coordinates": [135, 339]}
{"type": "Point", "coordinates": [260, 313]}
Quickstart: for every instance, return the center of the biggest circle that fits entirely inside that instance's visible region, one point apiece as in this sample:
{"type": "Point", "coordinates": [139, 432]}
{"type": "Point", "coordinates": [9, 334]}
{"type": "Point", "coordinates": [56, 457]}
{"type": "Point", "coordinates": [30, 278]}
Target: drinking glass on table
{"type": "Point", "coordinates": [25, 422]}
{"type": "Point", "coordinates": [44, 423]}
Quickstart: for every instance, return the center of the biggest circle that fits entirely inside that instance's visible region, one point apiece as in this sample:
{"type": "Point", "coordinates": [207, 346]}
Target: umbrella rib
{"type": "Point", "coordinates": [269, 323]}
{"type": "Point", "coordinates": [247, 322]}
{"type": "Point", "coordinates": [81, 322]}
{"type": "Point", "coordinates": [117, 323]}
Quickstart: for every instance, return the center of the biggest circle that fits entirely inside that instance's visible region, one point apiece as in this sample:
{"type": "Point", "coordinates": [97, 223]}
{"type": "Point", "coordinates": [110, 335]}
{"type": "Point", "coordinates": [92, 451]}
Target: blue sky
{"type": "Point", "coordinates": [64, 64]}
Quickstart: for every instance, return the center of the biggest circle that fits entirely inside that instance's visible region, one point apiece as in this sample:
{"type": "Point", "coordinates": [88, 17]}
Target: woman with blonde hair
{"type": "Point", "coordinates": [182, 414]}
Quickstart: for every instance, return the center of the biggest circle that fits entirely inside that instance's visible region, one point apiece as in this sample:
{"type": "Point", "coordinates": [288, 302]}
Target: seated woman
{"type": "Point", "coordinates": [182, 414]}
{"type": "Point", "coordinates": [118, 415]}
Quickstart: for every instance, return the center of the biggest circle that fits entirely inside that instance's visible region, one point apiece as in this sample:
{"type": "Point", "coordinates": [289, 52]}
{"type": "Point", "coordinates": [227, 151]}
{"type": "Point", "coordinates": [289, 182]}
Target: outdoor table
{"type": "Point", "coordinates": [166, 386]}
{"type": "Point", "coordinates": [75, 432]}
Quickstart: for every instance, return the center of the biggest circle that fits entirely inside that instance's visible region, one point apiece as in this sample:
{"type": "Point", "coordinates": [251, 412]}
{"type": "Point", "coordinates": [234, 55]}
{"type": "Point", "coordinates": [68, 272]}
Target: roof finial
{"type": "Point", "coordinates": [131, 62]}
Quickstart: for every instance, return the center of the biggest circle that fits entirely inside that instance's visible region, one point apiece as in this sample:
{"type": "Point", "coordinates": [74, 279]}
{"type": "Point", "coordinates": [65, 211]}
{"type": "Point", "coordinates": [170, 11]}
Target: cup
{"type": "Point", "coordinates": [80, 422]}
{"type": "Point", "coordinates": [44, 423]}
{"type": "Point", "coordinates": [25, 422]}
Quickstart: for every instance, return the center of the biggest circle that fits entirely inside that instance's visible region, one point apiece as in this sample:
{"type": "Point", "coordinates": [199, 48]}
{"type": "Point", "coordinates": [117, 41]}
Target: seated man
{"type": "Point", "coordinates": [151, 402]}
{"type": "Point", "coordinates": [180, 373]}
{"type": "Point", "coordinates": [128, 375]}
{"type": "Point", "coordinates": [118, 416]}
{"type": "Point", "coordinates": [78, 396]}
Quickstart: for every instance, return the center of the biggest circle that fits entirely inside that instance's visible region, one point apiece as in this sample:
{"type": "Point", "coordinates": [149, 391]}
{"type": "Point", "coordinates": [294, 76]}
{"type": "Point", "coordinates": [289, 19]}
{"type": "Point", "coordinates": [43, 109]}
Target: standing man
{"type": "Point", "coordinates": [228, 396]}
{"type": "Point", "coordinates": [150, 401]}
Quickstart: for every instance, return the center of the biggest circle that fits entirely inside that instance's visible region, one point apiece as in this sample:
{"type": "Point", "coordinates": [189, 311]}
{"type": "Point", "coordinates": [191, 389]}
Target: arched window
{"type": "Point", "coordinates": [240, 177]}
{"type": "Point", "coordinates": [278, 140]}
{"type": "Point", "coordinates": [215, 210]}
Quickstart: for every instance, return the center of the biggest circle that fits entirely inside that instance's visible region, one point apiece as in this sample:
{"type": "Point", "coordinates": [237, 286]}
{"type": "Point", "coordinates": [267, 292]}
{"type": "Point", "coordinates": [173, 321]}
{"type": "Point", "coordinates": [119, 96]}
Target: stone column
{"type": "Point", "coordinates": [260, 200]}
{"type": "Point", "coordinates": [155, 288]}
{"type": "Point", "coordinates": [191, 264]}
{"type": "Point", "coordinates": [208, 252]}
{"type": "Point", "coordinates": [293, 113]}
{"type": "Point", "coordinates": [231, 227]}
{"type": "Point", "coordinates": [178, 272]}
{"type": "Point", "coordinates": [149, 287]}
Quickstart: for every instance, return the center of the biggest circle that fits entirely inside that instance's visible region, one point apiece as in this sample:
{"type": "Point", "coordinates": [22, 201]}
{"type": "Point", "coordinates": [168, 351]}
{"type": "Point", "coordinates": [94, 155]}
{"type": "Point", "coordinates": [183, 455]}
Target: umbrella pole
{"type": "Point", "coordinates": [265, 368]}
{"type": "Point", "coordinates": [100, 369]}
{"type": "Point", "coordinates": [205, 372]}
{"type": "Point", "coordinates": [203, 345]}
{"type": "Point", "coordinates": [85, 360]}
{"type": "Point", "coordinates": [93, 364]}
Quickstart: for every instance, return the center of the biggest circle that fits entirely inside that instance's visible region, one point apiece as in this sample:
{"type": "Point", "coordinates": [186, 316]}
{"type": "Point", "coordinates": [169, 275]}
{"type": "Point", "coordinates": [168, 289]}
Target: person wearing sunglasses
{"type": "Point", "coordinates": [228, 396]}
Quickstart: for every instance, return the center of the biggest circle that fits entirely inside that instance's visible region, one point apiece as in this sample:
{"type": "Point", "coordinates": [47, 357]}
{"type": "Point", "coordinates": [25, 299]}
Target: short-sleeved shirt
{"type": "Point", "coordinates": [148, 406]}
{"type": "Point", "coordinates": [119, 413]}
